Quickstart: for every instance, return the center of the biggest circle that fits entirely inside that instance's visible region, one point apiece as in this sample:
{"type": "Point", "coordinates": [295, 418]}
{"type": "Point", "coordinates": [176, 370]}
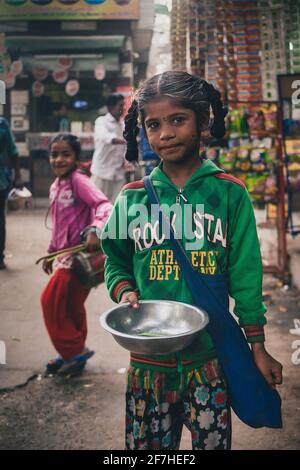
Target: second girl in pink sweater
{"type": "Point", "coordinates": [76, 205]}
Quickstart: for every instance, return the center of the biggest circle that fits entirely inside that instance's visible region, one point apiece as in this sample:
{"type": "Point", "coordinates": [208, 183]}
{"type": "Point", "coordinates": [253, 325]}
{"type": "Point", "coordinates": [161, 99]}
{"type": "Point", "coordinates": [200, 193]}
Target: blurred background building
{"type": "Point", "coordinates": [238, 44]}
{"type": "Point", "coordinates": [60, 60]}
{"type": "Point", "coordinates": [250, 50]}
{"type": "Point", "coordinates": [160, 57]}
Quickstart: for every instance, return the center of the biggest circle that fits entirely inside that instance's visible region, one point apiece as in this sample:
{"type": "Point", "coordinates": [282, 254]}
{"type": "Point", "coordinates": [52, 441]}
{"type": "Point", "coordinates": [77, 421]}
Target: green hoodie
{"type": "Point", "coordinates": [228, 244]}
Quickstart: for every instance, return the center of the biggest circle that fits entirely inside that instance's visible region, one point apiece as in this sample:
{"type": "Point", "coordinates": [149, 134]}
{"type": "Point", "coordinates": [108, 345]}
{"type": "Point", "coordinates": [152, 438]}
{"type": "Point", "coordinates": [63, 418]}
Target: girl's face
{"type": "Point", "coordinates": [62, 159]}
{"type": "Point", "coordinates": [172, 130]}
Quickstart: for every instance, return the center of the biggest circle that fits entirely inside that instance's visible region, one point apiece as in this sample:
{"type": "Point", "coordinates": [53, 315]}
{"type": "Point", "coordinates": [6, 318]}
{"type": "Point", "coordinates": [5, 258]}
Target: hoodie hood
{"type": "Point", "coordinates": [207, 168]}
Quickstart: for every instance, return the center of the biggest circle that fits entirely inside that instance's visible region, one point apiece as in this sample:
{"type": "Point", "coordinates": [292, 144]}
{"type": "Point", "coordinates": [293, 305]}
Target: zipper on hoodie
{"type": "Point", "coordinates": [179, 198]}
{"type": "Point", "coordinates": [180, 195]}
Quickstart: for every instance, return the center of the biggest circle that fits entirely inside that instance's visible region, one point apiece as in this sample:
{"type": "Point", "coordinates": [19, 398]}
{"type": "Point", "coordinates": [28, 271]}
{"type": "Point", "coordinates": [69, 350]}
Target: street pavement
{"type": "Point", "coordinates": [88, 412]}
{"type": "Point", "coordinates": [28, 347]}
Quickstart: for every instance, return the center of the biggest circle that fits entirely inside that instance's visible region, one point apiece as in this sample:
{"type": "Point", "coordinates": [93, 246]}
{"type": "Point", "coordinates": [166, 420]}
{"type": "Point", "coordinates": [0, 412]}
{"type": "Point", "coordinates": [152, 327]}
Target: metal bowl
{"type": "Point", "coordinates": [157, 327]}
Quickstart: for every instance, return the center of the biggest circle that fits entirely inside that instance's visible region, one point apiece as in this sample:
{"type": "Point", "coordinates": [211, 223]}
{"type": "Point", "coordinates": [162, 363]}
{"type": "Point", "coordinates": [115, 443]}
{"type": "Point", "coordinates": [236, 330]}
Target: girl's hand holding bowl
{"type": "Point", "coordinates": [132, 298]}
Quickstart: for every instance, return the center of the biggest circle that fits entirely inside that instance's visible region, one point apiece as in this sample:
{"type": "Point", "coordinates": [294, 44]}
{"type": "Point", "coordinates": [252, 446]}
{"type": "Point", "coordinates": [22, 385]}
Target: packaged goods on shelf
{"type": "Point", "coordinates": [251, 153]}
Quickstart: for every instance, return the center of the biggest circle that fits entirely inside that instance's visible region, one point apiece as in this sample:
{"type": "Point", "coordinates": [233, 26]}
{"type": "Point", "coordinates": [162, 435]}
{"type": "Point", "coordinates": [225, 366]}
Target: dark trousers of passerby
{"type": "Point", "coordinates": [2, 223]}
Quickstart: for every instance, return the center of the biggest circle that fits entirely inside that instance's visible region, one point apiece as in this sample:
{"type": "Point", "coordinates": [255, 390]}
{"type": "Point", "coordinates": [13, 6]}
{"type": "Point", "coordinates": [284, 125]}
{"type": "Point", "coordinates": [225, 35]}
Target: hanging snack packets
{"type": "Point", "coordinates": [270, 114]}
{"type": "Point", "coordinates": [271, 156]}
{"type": "Point", "coordinates": [270, 188]}
{"type": "Point", "coordinates": [257, 157]}
{"type": "Point", "coordinates": [256, 186]}
{"type": "Point", "coordinates": [227, 159]}
{"type": "Point", "coordinates": [242, 161]}
{"type": "Point", "coordinates": [256, 121]}
{"type": "Point", "coordinates": [238, 123]}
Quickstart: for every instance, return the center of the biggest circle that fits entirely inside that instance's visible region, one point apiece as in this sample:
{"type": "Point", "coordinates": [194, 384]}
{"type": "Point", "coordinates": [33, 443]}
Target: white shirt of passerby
{"type": "Point", "coordinates": [108, 159]}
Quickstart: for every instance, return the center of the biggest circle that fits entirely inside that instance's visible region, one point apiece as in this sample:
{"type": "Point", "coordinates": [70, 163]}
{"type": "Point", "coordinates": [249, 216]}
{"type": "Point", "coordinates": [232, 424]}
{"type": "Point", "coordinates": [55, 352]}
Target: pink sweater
{"type": "Point", "coordinates": [75, 204]}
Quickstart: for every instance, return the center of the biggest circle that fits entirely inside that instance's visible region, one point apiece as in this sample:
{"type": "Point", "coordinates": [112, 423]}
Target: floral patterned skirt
{"type": "Point", "coordinates": [154, 420]}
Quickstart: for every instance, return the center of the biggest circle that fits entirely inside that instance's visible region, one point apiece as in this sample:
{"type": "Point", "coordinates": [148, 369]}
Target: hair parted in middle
{"type": "Point", "coordinates": [70, 139]}
{"type": "Point", "coordinates": [187, 90]}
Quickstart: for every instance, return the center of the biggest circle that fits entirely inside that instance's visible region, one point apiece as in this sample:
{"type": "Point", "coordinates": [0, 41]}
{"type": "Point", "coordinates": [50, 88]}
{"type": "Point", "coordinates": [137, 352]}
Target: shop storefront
{"type": "Point", "coordinates": [61, 62]}
{"type": "Point", "coordinates": [242, 47]}
{"type": "Point", "coordinates": [66, 79]}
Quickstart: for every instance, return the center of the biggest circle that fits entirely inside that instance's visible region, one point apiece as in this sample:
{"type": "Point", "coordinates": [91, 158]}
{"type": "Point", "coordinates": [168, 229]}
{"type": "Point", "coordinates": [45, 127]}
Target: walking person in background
{"type": "Point", "coordinates": [108, 172]}
{"type": "Point", "coordinates": [76, 206]}
{"type": "Point", "coordinates": [8, 160]}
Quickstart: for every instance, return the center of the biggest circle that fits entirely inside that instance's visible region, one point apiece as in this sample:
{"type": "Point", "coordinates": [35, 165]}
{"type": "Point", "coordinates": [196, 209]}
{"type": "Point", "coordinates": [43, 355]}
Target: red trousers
{"type": "Point", "coordinates": [64, 313]}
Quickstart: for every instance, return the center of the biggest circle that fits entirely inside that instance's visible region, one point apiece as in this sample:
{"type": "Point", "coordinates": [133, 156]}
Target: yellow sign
{"type": "Point", "coordinates": [69, 10]}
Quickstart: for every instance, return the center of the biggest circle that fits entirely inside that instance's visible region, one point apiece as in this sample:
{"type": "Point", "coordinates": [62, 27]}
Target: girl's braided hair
{"type": "Point", "coordinates": [187, 90]}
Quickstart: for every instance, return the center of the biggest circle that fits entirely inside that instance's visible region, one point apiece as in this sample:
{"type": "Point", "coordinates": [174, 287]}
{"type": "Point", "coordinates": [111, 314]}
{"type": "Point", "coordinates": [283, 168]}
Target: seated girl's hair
{"type": "Point", "coordinates": [187, 90]}
{"type": "Point", "coordinates": [71, 139]}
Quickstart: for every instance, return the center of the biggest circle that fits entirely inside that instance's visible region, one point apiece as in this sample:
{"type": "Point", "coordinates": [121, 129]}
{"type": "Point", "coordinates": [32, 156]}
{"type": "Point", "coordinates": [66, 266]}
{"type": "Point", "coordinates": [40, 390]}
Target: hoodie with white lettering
{"type": "Point", "coordinates": [214, 219]}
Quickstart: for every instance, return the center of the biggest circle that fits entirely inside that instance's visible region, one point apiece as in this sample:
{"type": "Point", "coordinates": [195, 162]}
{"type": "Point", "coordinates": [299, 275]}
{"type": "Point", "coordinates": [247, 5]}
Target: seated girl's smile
{"type": "Point", "coordinates": [62, 159]}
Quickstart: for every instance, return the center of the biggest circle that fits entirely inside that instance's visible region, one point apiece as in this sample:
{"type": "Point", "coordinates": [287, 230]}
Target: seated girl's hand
{"type": "Point", "coordinates": [92, 242]}
{"type": "Point", "coordinates": [132, 298]}
{"type": "Point", "coordinates": [47, 266]}
{"type": "Point", "coordinates": [268, 366]}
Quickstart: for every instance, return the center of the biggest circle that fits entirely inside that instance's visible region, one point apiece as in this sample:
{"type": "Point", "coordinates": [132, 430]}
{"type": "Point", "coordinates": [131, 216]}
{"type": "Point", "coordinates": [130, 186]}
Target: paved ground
{"type": "Point", "coordinates": [87, 412]}
{"type": "Point", "coordinates": [21, 286]}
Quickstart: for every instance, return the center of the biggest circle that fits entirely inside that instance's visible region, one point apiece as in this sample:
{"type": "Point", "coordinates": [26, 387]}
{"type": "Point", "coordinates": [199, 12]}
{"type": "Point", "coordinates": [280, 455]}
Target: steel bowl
{"type": "Point", "coordinates": [157, 327]}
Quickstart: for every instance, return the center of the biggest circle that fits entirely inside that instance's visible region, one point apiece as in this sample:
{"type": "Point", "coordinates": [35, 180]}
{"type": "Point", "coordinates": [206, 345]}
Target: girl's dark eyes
{"type": "Point", "coordinates": [152, 125]}
{"type": "Point", "coordinates": [55, 155]}
{"type": "Point", "coordinates": [178, 119]}
{"type": "Point", "coordinates": [174, 120]}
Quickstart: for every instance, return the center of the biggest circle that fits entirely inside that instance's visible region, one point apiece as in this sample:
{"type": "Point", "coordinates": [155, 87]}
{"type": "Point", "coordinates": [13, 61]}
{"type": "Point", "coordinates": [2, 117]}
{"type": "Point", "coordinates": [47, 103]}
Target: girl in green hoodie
{"type": "Point", "coordinates": [219, 236]}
